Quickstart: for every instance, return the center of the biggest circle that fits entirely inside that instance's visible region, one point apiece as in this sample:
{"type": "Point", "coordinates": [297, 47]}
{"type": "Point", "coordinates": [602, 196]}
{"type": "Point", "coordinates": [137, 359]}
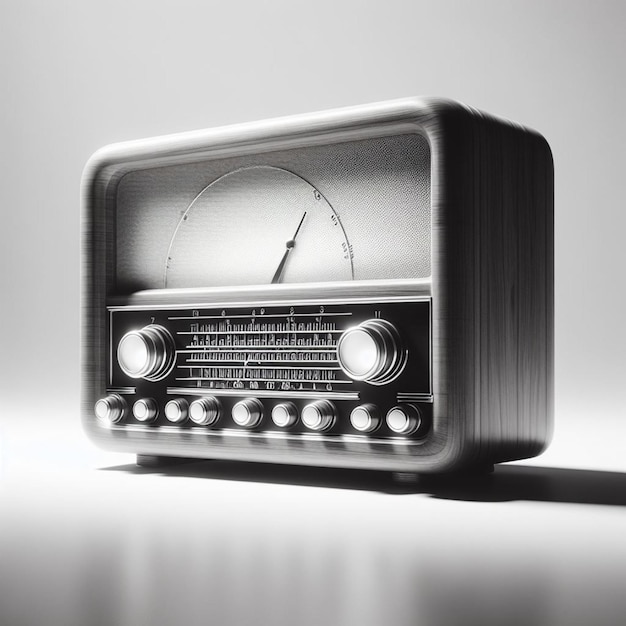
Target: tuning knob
{"type": "Point", "coordinates": [110, 409]}
{"type": "Point", "coordinates": [148, 353]}
{"type": "Point", "coordinates": [319, 415]}
{"type": "Point", "coordinates": [247, 413]}
{"type": "Point", "coordinates": [177, 410]}
{"type": "Point", "coordinates": [145, 410]}
{"type": "Point", "coordinates": [365, 418]}
{"type": "Point", "coordinates": [205, 411]}
{"type": "Point", "coordinates": [371, 352]}
{"type": "Point", "coordinates": [404, 419]}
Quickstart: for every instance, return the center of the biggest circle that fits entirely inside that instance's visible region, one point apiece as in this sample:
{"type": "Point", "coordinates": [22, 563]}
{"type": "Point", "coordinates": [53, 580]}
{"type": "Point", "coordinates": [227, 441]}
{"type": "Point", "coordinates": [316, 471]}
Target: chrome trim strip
{"type": "Point", "coordinates": [409, 291]}
{"type": "Point", "coordinates": [122, 390]}
{"type": "Point", "coordinates": [415, 397]}
{"type": "Point", "coordinates": [247, 434]}
{"type": "Point", "coordinates": [110, 333]}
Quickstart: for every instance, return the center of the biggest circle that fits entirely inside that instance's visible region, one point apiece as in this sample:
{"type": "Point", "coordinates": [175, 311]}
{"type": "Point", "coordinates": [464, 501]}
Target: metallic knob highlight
{"type": "Point", "coordinates": [205, 411]}
{"type": "Point", "coordinates": [148, 353]}
{"type": "Point", "coordinates": [111, 409]}
{"type": "Point", "coordinates": [145, 410]}
{"type": "Point", "coordinates": [404, 419]}
{"type": "Point", "coordinates": [319, 415]}
{"type": "Point", "coordinates": [247, 413]}
{"type": "Point", "coordinates": [177, 410]}
{"type": "Point", "coordinates": [371, 352]}
{"type": "Point", "coordinates": [365, 418]}
{"type": "Point", "coordinates": [285, 414]}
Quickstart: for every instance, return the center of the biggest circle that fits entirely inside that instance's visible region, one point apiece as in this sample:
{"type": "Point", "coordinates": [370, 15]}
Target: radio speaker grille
{"type": "Point", "coordinates": [377, 185]}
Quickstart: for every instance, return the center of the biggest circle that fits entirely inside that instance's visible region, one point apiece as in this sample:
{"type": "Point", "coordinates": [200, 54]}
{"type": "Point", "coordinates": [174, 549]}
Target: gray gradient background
{"type": "Point", "coordinates": [78, 75]}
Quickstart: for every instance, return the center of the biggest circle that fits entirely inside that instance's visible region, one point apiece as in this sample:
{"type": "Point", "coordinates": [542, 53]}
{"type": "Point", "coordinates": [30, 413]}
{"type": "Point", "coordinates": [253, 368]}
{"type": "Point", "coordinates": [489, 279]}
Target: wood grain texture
{"type": "Point", "coordinates": [491, 287]}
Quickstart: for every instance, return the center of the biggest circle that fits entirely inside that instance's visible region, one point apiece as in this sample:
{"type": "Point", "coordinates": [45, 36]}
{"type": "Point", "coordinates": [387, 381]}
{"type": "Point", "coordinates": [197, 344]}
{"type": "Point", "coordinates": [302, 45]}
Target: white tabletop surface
{"type": "Point", "coordinates": [86, 538]}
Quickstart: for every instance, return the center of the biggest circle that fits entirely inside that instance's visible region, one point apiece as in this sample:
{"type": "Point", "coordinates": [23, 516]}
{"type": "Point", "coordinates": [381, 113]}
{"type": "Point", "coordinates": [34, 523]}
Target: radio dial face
{"type": "Point", "coordinates": [148, 353]}
{"type": "Point", "coordinates": [254, 226]}
{"type": "Point", "coordinates": [372, 352]}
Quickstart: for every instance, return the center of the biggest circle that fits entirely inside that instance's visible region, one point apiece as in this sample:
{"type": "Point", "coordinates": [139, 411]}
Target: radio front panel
{"type": "Point", "coordinates": [282, 360]}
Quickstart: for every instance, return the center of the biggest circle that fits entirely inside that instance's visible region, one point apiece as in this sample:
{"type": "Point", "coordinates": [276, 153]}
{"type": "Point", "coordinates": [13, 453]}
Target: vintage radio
{"type": "Point", "coordinates": [370, 287]}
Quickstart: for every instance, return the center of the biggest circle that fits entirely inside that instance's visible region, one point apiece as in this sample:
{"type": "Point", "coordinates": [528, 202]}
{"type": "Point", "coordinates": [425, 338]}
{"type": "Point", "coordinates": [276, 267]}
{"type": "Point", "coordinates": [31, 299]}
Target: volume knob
{"type": "Point", "coordinates": [372, 352]}
{"type": "Point", "coordinates": [148, 353]}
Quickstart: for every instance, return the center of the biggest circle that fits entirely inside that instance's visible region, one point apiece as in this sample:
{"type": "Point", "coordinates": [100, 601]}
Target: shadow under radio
{"type": "Point", "coordinates": [506, 484]}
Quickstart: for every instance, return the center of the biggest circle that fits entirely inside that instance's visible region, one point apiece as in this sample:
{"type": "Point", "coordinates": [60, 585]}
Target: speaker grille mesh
{"type": "Point", "coordinates": [379, 187]}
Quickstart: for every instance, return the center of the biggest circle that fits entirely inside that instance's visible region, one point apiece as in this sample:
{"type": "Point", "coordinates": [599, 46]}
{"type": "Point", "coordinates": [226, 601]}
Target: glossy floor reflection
{"type": "Point", "coordinates": [235, 544]}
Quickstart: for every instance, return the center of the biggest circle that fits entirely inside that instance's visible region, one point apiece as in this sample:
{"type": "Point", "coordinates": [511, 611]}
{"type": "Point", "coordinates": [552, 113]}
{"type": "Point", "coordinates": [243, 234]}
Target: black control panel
{"type": "Point", "coordinates": [332, 369]}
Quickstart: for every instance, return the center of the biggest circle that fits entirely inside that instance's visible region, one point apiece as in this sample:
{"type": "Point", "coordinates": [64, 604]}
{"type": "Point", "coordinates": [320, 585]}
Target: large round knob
{"type": "Point", "coordinates": [404, 419]}
{"type": "Point", "coordinates": [177, 410]}
{"type": "Point", "coordinates": [319, 415]}
{"type": "Point", "coordinates": [247, 413]}
{"type": "Point", "coordinates": [110, 409]}
{"type": "Point", "coordinates": [365, 418]}
{"type": "Point", "coordinates": [372, 352]}
{"type": "Point", "coordinates": [145, 410]}
{"type": "Point", "coordinates": [148, 353]}
{"type": "Point", "coordinates": [205, 411]}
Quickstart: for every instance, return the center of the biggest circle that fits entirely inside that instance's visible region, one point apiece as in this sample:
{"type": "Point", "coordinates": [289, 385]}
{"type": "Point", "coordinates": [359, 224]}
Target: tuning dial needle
{"type": "Point", "coordinates": [289, 247]}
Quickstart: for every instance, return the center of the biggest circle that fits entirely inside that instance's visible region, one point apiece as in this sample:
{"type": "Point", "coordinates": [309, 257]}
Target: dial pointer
{"type": "Point", "coordinates": [289, 245]}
